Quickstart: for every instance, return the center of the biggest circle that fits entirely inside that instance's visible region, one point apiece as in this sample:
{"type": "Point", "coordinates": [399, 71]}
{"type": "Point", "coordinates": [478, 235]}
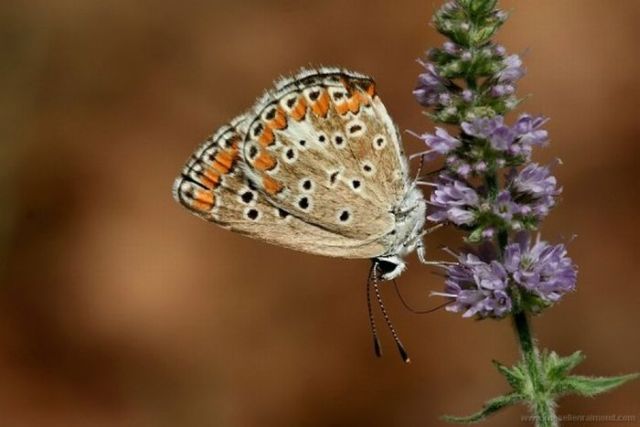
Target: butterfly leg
{"type": "Point", "coordinates": [421, 249]}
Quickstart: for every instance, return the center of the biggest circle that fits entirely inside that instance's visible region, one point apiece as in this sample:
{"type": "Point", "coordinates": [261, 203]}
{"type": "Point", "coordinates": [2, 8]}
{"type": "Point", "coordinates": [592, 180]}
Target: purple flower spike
{"type": "Point", "coordinates": [454, 201]}
{"type": "Point", "coordinates": [542, 269]}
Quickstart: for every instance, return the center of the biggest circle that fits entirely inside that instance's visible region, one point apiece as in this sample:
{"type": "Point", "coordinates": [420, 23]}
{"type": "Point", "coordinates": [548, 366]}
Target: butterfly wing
{"type": "Point", "coordinates": [323, 147]}
{"type": "Point", "coordinates": [213, 186]}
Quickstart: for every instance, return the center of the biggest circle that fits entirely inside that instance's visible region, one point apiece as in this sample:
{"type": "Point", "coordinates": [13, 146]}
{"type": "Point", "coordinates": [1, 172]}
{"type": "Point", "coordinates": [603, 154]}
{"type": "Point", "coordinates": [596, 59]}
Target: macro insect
{"type": "Point", "coordinates": [316, 165]}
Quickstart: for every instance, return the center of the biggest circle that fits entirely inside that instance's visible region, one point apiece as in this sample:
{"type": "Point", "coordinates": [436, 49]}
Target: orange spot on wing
{"type": "Point", "coordinates": [210, 178]}
{"type": "Point", "coordinates": [365, 99]}
{"type": "Point", "coordinates": [266, 137]}
{"type": "Point", "coordinates": [203, 200]}
{"type": "Point", "coordinates": [264, 161]}
{"type": "Point", "coordinates": [342, 108]}
{"type": "Point", "coordinates": [321, 106]}
{"type": "Point", "coordinates": [371, 90]}
{"type": "Point", "coordinates": [299, 110]}
{"type": "Point", "coordinates": [279, 121]}
{"type": "Point", "coordinates": [220, 168]}
{"type": "Point", "coordinates": [225, 158]}
{"type": "Point", "coordinates": [270, 185]}
{"type": "Point", "coordinates": [354, 102]}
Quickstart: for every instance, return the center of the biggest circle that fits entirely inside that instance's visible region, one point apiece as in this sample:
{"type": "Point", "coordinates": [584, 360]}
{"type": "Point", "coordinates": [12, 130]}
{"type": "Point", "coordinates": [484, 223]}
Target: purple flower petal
{"type": "Point", "coordinates": [455, 201]}
{"type": "Point", "coordinates": [541, 269]}
{"type": "Point", "coordinates": [512, 71]}
{"type": "Point", "coordinates": [430, 86]}
{"type": "Point", "coordinates": [477, 288]}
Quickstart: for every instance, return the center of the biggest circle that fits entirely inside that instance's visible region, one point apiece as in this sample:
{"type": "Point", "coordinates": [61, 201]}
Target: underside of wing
{"type": "Point", "coordinates": [323, 147]}
{"type": "Point", "coordinates": [213, 185]}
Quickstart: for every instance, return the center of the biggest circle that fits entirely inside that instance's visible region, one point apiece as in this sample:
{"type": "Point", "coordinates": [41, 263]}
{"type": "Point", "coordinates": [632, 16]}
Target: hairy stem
{"type": "Point", "coordinates": [542, 404]}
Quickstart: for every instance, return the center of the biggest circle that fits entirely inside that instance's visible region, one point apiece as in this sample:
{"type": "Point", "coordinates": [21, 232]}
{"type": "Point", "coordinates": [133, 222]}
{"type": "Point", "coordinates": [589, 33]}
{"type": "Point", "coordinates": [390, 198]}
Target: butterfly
{"type": "Point", "coordinates": [316, 165]}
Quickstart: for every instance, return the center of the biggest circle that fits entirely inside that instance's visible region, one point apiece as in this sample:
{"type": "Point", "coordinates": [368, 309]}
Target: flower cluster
{"type": "Point", "coordinates": [527, 198]}
{"type": "Point", "coordinates": [489, 187]}
{"type": "Point", "coordinates": [482, 284]}
{"type": "Point", "coordinates": [477, 287]}
{"type": "Point", "coordinates": [487, 143]}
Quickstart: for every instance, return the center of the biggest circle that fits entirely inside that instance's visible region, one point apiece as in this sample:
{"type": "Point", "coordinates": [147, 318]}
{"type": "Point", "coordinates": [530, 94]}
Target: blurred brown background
{"type": "Point", "coordinates": [118, 308]}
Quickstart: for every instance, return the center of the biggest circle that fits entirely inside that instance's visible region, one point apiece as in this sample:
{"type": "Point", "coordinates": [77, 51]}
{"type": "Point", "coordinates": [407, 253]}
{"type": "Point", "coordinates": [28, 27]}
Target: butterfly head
{"type": "Point", "coordinates": [407, 234]}
{"type": "Point", "coordinates": [389, 267]}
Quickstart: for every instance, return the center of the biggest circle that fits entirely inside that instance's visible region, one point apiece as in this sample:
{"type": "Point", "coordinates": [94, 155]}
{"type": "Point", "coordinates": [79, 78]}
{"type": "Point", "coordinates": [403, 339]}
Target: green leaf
{"type": "Point", "coordinates": [489, 408]}
{"type": "Point", "coordinates": [591, 386]}
{"type": "Point", "coordinates": [482, 35]}
{"type": "Point", "coordinates": [482, 7]}
{"type": "Point", "coordinates": [515, 377]}
{"type": "Point", "coordinates": [476, 235]}
{"type": "Point", "coordinates": [557, 367]}
{"type": "Point", "coordinates": [478, 8]}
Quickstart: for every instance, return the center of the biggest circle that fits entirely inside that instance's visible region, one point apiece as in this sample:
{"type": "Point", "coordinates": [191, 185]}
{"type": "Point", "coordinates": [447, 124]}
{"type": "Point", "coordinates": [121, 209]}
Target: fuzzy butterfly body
{"type": "Point", "coordinates": [317, 166]}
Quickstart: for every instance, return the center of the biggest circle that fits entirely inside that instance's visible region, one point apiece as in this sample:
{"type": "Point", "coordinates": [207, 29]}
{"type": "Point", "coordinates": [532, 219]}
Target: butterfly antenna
{"type": "Point", "coordinates": [372, 322]}
{"type": "Point", "coordinates": [413, 310]}
{"type": "Point", "coordinates": [394, 334]}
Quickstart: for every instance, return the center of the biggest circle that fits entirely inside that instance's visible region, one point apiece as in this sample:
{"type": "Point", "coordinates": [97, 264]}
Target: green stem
{"type": "Point", "coordinates": [542, 404]}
